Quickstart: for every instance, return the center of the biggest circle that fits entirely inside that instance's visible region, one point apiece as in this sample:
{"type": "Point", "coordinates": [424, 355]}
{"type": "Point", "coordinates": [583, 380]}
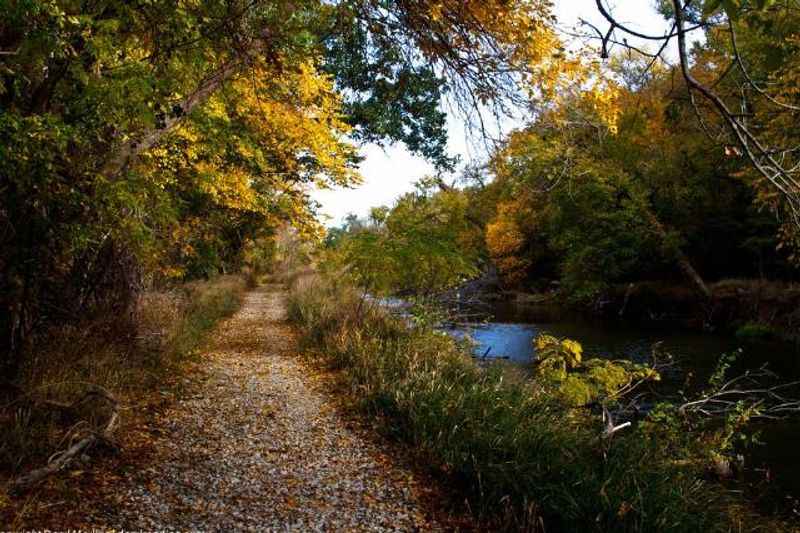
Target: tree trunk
{"type": "Point", "coordinates": [691, 274]}
{"type": "Point", "coordinates": [679, 257]}
{"type": "Point", "coordinates": [130, 150]}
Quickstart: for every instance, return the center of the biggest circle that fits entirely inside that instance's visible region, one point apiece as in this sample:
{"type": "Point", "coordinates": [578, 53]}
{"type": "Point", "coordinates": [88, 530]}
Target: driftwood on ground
{"type": "Point", "coordinates": [84, 437]}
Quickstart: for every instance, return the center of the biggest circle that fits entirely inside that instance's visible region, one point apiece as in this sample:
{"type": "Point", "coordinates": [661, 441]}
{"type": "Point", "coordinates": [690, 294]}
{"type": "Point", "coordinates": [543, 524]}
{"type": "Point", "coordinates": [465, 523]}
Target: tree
{"type": "Point", "coordinates": [140, 135]}
{"type": "Point", "coordinates": [419, 246]}
{"type": "Point", "coordinates": [758, 98]}
{"type": "Point", "coordinates": [635, 196]}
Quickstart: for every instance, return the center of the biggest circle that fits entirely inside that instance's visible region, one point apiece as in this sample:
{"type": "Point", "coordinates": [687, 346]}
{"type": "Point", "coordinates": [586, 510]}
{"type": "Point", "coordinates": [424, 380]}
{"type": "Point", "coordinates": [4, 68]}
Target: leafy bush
{"type": "Point", "coordinates": [753, 332]}
{"type": "Point", "coordinates": [578, 382]}
{"type": "Point", "coordinates": [420, 246]}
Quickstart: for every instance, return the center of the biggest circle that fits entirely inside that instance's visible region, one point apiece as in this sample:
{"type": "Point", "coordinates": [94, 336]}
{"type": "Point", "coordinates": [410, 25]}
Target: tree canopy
{"type": "Point", "coordinates": [626, 171]}
{"type": "Point", "coordinates": [153, 140]}
{"type": "Point", "coordinates": [147, 141]}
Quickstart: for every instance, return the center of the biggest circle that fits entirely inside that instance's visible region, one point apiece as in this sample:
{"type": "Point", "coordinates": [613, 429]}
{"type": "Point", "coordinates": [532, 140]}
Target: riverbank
{"type": "Point", "coordinates": [749, 309]}
{"type": "Point", "coordinates": [771, 466]}
{"type": "Point", "coordinates": [518, 451]}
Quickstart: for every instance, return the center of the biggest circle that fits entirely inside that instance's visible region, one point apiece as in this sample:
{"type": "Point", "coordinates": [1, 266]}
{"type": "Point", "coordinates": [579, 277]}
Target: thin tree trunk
{"type": "Point", "coordinates": [692, 274]}
{"type": "Point", "coordinates": [682, 261]}
{"type": "Point", "coordinates": [131, 149]}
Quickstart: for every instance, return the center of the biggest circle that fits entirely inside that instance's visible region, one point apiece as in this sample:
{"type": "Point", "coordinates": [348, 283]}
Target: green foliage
{"type": "Point", "coordinates": [733, 8]}
{"type": "Point", "coordinates": [602, 233]}
{"type": "Point", "coordinates": [753, 332]}
{"type": "Point", "coordinates": [556, 357]}
{"type": "Point", "coordinates": [417, 247]}
{"type": "Point", "coordinates": [404, 104]}
{"type": "Point", "coordinates": [580, 383]}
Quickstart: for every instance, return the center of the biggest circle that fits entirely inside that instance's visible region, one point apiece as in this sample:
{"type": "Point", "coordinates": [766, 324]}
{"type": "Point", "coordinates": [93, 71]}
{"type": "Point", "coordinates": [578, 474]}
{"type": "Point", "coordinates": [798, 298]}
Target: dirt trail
{"type": "Point", "coordinates": [258, 447]}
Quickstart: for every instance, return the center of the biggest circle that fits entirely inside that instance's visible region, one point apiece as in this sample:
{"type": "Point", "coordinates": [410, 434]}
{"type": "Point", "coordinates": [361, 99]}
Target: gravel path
{"type": "Point", "coordinates": [259, 447]}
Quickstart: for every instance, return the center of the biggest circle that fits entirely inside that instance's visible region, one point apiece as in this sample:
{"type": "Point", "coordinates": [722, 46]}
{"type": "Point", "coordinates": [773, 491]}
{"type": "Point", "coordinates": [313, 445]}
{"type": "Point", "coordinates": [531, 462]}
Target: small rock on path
{"type": "Point", "coordinates": [257, 447]}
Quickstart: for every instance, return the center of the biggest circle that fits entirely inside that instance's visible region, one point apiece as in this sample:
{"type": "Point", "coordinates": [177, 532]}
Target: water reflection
{"type": "Point", "coordinates": [510, 334]}
{"type": "Point", "coordinates": [695, 352]}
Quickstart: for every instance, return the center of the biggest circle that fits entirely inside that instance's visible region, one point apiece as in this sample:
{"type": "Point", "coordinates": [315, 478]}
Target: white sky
{"type": "Point", "coordinates": [391, 172]}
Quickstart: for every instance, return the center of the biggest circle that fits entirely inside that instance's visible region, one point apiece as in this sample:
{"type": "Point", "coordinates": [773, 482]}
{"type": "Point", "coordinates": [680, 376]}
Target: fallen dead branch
{"type": "Point", "coordinates": [83, 436]}
{"type": "Point", "coordinates": [747, 391]}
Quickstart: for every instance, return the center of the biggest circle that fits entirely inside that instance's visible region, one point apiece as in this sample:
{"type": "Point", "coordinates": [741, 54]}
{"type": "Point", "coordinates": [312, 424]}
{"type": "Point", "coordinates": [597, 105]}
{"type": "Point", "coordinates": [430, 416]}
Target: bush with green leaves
{"type": "Point", "coordinates": [417, 247]}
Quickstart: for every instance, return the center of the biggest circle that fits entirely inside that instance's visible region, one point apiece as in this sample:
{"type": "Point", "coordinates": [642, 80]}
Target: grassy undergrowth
{"type": "Point", "coordinates": [131, 364]}
{"type": "Point", "coordinates": [523, 458]}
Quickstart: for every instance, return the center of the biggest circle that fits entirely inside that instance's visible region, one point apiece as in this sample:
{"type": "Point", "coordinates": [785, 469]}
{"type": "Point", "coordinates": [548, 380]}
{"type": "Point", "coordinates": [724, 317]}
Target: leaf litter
{"type": "Point", "coordinates": [257, 446]}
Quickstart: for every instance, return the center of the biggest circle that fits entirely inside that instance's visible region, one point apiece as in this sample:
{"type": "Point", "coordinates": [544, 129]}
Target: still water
{"type": "Point", "coordinates": [510, 330]}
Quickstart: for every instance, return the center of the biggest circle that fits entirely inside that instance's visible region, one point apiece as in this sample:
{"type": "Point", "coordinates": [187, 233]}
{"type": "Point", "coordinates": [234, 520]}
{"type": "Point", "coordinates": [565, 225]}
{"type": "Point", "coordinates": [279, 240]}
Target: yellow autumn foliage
{"type": "Point", "coordinates": [253, 149]}
{"type": "Point", "coordinates": [523, 27]}
{"type": "Point", "coordinates": [504, 241]}
{"type": "Point", "coordinates": [258, 138]}
{"type": "Point", "coordinates": [503, 237]}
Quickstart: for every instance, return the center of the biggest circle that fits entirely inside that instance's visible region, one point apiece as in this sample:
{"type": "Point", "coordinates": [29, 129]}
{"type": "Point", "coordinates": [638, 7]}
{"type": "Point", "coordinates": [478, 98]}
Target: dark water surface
{"type": "Point", "coordinates": [511, 329]}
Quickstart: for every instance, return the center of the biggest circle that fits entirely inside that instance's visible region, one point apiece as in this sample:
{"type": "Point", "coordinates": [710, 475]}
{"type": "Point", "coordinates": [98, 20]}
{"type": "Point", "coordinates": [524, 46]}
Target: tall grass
{"type": "Point", "coordinates": [522, 460]}
{"type": "Point", "coordinates": [131, 365]}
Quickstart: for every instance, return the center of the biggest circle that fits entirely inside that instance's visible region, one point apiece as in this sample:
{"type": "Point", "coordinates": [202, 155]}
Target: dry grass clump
{"type": "Point", "coordinates": [158, 319]}
{"type": "Point", "coordinates": [129, 364]}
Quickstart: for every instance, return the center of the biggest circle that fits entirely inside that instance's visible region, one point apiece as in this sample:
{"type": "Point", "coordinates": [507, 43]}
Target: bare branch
{"type": "Point", "coordinates": [759, 157]}
{"type": "Point", "coordinates": [614, 23]}
{"type": "Point", "coordinates": [771, 162]}
{"type": "Point", "coordinates": [738, 60]}
{"type": "Point", "coordinates": [60, 460]}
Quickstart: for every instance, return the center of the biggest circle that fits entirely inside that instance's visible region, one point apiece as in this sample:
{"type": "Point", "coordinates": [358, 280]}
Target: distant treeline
{"type": "Point", "coordinates": [592, 198]}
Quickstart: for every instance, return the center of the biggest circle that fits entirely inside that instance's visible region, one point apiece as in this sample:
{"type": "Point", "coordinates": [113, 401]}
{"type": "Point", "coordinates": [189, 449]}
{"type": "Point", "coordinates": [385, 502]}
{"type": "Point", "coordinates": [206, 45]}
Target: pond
{"type": "Point", "coordinates": [511, 329]}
